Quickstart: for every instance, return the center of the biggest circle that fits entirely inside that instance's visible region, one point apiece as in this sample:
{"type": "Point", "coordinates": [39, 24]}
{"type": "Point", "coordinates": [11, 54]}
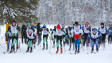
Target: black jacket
{"type": "Point", "coordinates": [39, 29]}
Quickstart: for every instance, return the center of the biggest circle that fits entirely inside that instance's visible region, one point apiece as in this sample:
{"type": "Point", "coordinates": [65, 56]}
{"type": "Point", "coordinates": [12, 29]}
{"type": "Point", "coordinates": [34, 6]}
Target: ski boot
{"type": "Point", "coordinates": [78, 51]}
{"type": "Point", "coordinates": [17, 46]}
{"type": "Point", "coordinates": [46, 46]}
{"type": "Point", "coordinates": [92, 50]}
{"type": "Point", "coordinates": [53, 44]}
{"type": "Point", "coordinates": [27, 49]}
{"type": "Point", "coordinates": [11, 50]}
{"type": "Point", "coordinates": [75, 51]}
{"type": "Point", "coordinates": [43, 47]}
{"type": "Point", "coordinates": [31, 50]}
{"type": "Point", "coordinates": [57, 50]}
{"type": "Point", "coordinates": [97, 49]}
{"type": "Point", "coordinates": [61, 51]}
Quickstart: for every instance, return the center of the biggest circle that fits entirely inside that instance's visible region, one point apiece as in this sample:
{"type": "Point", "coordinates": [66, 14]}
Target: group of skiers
{"type": "Point", "coordinates": [72, 35]}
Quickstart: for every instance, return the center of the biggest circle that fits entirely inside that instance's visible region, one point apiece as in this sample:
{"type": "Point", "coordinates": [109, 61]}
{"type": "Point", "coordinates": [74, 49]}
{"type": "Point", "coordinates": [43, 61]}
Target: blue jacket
{"type": "Point", "coordinates": [110, 31]}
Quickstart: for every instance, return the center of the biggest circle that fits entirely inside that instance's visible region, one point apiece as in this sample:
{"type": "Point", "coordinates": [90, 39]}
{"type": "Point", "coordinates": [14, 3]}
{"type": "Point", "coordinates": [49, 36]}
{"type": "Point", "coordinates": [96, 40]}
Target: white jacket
{"type": "Point", "coordinates": [59, 32]}
{"type": "Point", "coordinates": [14, 29]}
{"type": "Point", "coordinates": [78, 30]}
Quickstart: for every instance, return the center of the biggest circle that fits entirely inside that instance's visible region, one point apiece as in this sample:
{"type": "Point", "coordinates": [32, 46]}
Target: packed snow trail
{"type": "Point", "coordinates": [40, 56]}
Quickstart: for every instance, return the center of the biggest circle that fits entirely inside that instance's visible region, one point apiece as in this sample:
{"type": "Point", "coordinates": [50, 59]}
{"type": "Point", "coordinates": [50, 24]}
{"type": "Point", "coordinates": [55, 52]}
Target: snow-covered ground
{"type": "Point", "coordinates": [49, 56]}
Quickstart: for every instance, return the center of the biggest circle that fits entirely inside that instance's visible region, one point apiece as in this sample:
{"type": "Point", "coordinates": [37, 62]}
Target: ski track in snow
{"type": "Point", "coordinates": [44, 56]}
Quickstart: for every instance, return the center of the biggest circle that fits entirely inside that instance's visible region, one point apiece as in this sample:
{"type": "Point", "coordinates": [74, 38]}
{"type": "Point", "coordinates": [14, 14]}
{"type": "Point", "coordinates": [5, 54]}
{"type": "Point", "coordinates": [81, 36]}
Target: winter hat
{"type": "Point", "coordinates": [87, 23]}
{"type": "Point", "coordinates": [38, 23]}
{"type": "Point", "coordinates": [58, 27]}
{"type": "Point", "coordinates": [102, 23]}
{"type": "Point", "coordinates": [76, 23]}
{"type": "Point", "coordinates": [62, 25]}
{"type": "Point", "coordinates": [69, 28]}
{"type": "Point", "coordinates": [28, 24]}
{"type": "Point", "coordinates": [44, 26]}
{"type": "Point", "coordinates": [94, 29]}
{"type": "Point", "coordinates": [23, 22]}
{"type": "Point", "coordinates": [54, 27]}
{"type": "Point", "coordinates": [13, 22]}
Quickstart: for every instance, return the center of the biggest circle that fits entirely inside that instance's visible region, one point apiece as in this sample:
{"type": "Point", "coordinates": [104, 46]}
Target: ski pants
{"type": "Point", "coordinates": [14, 40]}
{"type": "Point", "coordinates": [109, 39]}
{"type": "Point", "coordinates": [65, 40]}
{"type": "Point", "coordinates": [45, 37]}
{"type": "Point", "coordinates": [39, 39]}
{"type": "Point", "coordinates": [94, 41]}
{"type": "Point", "coordinates": [103, 40]}
{"type": "Point", "coordinates": [8, 43]}
{"type": "Point", "coordinates": [86, 39]}
{"type": "Point", "coordinates": [30, 43]}
{"type": "Point", "coordinates": [77, 44]}
{"type": "Point", "coordinates": [77, 38]}
{"type": "Point", "coordinates": [23, 37]}
{"type": "Point", "coordinates": [55, 39]}
{"type": "Point", "coordinates": [71, 42]}
{"type": "Point", "coordinates": [59, 42]}
{"type": "Point", "coordinates": [34, 40]}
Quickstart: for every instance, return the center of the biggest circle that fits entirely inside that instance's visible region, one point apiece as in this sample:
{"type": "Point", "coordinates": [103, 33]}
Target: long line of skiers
{"type": "Point", "coordinates": [75, 35]}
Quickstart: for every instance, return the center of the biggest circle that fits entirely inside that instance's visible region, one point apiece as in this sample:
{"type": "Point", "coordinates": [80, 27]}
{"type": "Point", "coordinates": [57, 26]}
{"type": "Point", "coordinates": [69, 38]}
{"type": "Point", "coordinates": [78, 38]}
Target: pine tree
{"type": "Point", "coordinates": [18, 10]}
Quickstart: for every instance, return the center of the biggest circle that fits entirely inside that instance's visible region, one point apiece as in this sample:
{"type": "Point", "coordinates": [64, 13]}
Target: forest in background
{"type": "Point", "coordinates": [69, 11]}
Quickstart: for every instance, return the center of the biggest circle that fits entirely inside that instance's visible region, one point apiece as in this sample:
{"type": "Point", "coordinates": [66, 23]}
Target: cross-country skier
{"type": "Point", "coordinates": [77, 36]}
{"type": "Point", "coordinates": [39, 33]}
{"type": "Point", "coordinates": [54, 36]}
{"type": "Point", "coordinates": [14, 31]}
{"type": "Point", "coordinates": [71, 37]}
{"type": "Point", "coordinates": [30, 37]}
{"type": "Point", "coordinates": [59, 38]}
{"type": "Point", "coordinates": [94, 36]}
{"type": "Point", "coordinates": [8, 38]}
{"type": "Point", "coordinates": [103, 31]}
{"type": "Point", "coordinates": [64, 35]}
{"type": "Point", "coordinates": [45, 36]}
{"type": "Point", "coordinates": [86, 29]}
{"type": "Point", "coordinates": [33, 27]}
{"type": "Point", "coordinates": [23, 31]}
{"type": "Point", "coordinates": [110, 34]}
